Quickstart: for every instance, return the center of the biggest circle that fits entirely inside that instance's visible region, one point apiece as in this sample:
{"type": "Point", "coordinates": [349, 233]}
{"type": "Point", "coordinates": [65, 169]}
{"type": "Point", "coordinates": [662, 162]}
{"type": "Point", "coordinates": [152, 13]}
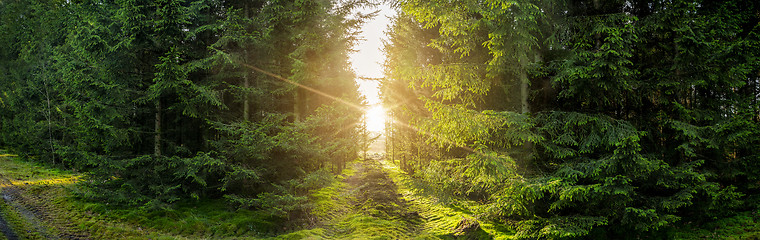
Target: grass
{"type": "Point", "coordinates": [744, 226]}
{"type": "Point", "coordinates": [40, 191]}
{"type": "Point", "coordinates": [15, 169]}
{"type": "Point", "coordinates": [392, 207]}
{"type": "Point", "coordinates": [329, 204]}
{"type": "Point", "coordinates": [357, 206]}
{"type": "Point", "coordinates": [49, 190]}
{"type": "Point", "coordinates": [336, 212]}
{"type": "Point", "coordinates": [444, 216]}
{"type": "Point", "coordinates": [191, 219]}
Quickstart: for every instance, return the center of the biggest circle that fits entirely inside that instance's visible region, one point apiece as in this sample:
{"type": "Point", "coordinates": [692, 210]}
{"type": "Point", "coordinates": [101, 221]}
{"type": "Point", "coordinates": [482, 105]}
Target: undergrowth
{"type": "Point", "coordinates": [192, 219]}
{"type": "Point", "coordinates": [744, 226]}
{"type": "Point", "coordinates": [366, 201]}
{"type": "Point", "coordinates": [186, 220]}
{"type": "Point", "coordinates": [15, 169]}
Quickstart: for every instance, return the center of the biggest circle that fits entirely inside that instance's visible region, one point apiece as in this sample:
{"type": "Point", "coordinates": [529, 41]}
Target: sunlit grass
{"type": "Point", "coordinates": [210, 218]}
{"type": "Point", "coordinates": [20, 172]}
{"type": "Point", "coordinates": [46, 181]}
{"type": "Point", "coordinates": [442, 217]}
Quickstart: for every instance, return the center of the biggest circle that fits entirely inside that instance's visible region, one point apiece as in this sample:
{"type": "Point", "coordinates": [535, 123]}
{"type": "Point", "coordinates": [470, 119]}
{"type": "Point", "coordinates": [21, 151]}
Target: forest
{"type": "Point", "coordinates": [506, 119]}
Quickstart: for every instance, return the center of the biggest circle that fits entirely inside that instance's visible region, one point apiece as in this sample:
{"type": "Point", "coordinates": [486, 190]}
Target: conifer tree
{"type": "Point", "coordinates": [620, 134]}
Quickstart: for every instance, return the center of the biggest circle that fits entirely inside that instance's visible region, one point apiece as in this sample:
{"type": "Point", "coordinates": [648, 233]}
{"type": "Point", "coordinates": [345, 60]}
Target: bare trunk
{"type": "Point", "coordinates": [524, 92]}
{"type": "Point", "coordinates": [390, 138]}
{"type": "Point", "coordinates": [157, 136]}
{"type": "Point", "coordinates": [524, 83]}
{"type": "Point", "coordinates": [598, 37]}
{"type": "Point", "coordinates": [246, 84]}
{"type": "Point", "coordinates": [246, 104]}
{"type": "Point", "coordinates": [49, 116]}
{"type": "Point", "coordinates": [296, 105]}
{"type": "Point", "coordinates": [366, 137]}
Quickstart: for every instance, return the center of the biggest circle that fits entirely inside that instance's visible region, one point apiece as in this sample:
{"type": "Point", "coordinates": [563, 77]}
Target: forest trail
{"type": "Point", "coordinates": [27, 214]}
{"type": "Point", "coordinates": [5, 227]}
{"type": "Point", "coordinates": [370, 206]}
{"type": "Point", "coordinates": [373, 201]}
{"type": "Point", "coordinates": [377, 194]}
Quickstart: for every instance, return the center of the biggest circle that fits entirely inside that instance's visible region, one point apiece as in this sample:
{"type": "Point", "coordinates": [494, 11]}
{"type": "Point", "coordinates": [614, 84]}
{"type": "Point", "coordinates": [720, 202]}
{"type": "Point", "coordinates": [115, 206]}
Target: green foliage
{"type": "Point", "coordinates": [161, 100]}
{"type": "Point", "coordinates": [172, 178]}
{"type": "Point", "coordinates": [740, 226]}
{"type": "Point", "coordinates": [567, 119]}
{"type": "Point", "coordinates": [643, 113]}
{"type": "Point", "coordinates": [600, 67]}
{"type": "Point", "coordinates": [289, 200]}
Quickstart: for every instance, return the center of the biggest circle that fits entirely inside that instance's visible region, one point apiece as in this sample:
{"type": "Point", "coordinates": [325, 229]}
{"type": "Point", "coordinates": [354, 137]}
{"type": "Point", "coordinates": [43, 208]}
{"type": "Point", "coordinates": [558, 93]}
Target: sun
{"type": "Point", "coordinates": [367, 64]}
{"type": "Point", "coordinates": [376, 116]}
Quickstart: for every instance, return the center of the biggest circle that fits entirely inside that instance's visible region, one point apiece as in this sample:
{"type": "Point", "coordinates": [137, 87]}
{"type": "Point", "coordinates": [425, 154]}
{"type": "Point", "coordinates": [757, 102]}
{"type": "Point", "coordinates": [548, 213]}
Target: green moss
{"type": "Point", "coordinates": [360, 226]}
{"type": "Point", "coordinates": [16, 221]}
{"type": "Point", "coordinates": [442, 217]}
{"type": "Point", "coordinates": [195, 219]}
{"type": "Point", "coordinates": [337, 212]}
{"type": "Point", "coordinates": [745, 225]}
{"type": "Point", "coordinates": [15, 168]}
{"type": "Point", "coordinates": [316, 233]}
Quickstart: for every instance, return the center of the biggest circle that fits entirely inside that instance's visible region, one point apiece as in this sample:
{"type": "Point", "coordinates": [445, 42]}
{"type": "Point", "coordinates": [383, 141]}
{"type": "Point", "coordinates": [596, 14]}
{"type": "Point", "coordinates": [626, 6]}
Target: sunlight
{"type": "Point", "coordinates": [48, 181]}
{"type": "Point", "coordinates": [375, 118]}
{"type": "Point", "coordinates": [367, 63]}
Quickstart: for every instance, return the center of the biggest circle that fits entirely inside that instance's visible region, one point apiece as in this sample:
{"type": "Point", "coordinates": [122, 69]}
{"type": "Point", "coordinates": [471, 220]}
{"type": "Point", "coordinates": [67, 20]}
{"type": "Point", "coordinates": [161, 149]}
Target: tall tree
{"type": "Point", "coordinates": [628, 97]}
{"type": "Point", "coordinates": [164, 100]}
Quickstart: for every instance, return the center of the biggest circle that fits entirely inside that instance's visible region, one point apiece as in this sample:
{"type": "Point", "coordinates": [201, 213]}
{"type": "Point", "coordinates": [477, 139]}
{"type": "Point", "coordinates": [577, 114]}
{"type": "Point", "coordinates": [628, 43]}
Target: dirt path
{"type": "Point", "coordinates": [33, 216]}
{"type": "Point", "coordinates": [375, 190]}
{"type": "Point", "coordinates": [373, 208]}
{"type": "Point", "coordinates": [6, 229]}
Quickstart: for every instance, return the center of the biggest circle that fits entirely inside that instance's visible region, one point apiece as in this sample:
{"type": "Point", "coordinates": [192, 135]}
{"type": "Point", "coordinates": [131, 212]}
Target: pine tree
{"type": "Point", "coordinates": [630, 116]}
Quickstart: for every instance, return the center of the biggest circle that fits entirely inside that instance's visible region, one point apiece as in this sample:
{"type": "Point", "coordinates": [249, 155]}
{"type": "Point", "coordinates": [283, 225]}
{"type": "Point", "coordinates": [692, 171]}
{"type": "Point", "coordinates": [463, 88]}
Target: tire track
{"type": "Point", "coordinates": [37, 214]}
{"type": "Point", "coordinates": [6, 229]}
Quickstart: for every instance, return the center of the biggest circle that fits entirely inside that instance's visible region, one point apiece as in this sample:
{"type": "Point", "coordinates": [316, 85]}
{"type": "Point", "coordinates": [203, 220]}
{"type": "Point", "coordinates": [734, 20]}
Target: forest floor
{"type": "Point", "coordinates": [37, 204]}
{"type": "Point", "coordinates": [371, 199]}
{"type": "Point", "coordinates": [26, 211]}
{"type": "Point", "coordinates": [374, 200]}
{"type": "Point", "coordinates": [364, 202]}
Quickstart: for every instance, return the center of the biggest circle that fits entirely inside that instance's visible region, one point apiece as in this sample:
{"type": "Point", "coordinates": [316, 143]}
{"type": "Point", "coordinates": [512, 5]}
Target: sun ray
{"type": "Point", "coordinates": [375, 116]}
{"type": "Point", "coordinates": [393, 122]}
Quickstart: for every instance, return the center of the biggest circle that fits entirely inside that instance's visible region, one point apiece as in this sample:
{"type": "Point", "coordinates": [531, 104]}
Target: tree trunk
{"type": "Point", "coordinates": [524, 82]}
{"type": "Point", "coordinates": [524, 92]}
{"type": "Point", "coordinates": [597, 36]}
{"type": "Point", "coordinates": [246, 97]}
{"type": "Point", "coordinates": [49, 116]}
{"type": "Point", "coordinates": [296, 105]}
{"type": "Point", "coordinates": [157, 128]}
{"type": "Point", "coordinates": [366, 136]}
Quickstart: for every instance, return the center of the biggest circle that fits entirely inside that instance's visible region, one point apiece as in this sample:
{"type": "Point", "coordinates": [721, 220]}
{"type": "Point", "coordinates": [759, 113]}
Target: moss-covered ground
{"type": "Point", "coordinates": [371, 199]}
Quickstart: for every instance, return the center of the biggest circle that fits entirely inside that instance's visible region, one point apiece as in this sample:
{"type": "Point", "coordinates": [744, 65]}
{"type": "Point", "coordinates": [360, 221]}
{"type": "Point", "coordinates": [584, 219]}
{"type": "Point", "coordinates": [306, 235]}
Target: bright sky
{"type": "Point", "coordinates": [367, 62]}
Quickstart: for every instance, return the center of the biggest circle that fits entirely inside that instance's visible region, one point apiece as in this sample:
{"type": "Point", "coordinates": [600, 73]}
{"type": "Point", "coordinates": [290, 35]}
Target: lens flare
{"type": "Point", "coordinates": [375, 118]}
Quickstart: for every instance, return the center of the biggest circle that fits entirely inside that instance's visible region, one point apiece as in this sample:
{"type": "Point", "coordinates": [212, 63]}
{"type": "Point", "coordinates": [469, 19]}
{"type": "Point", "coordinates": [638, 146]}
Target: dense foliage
{"type": "Point", "coordinates": [174, 99]}
{"type": "Point", "coordinates": [580, 118]}
{"type": "Point", "coordinates": [562, 118]}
